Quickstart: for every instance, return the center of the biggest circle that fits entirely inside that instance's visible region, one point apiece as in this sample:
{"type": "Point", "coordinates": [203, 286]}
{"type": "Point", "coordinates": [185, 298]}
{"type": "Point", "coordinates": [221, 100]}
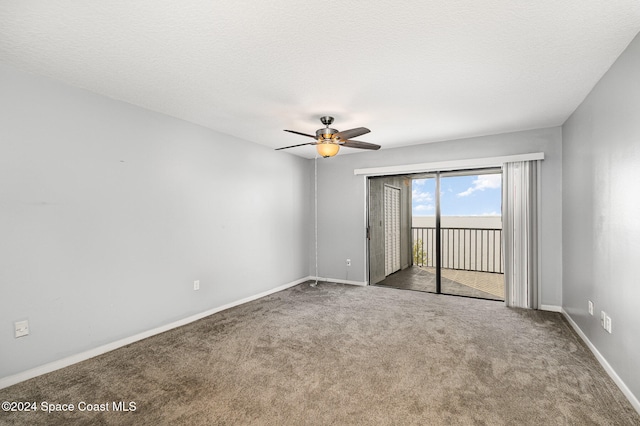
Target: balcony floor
{"type": "Point", "coordinates": [483, 285]}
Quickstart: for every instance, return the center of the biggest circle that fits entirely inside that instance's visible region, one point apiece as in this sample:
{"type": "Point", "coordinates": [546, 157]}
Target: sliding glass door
{"type": "Point", "coordinates": [453, 236]}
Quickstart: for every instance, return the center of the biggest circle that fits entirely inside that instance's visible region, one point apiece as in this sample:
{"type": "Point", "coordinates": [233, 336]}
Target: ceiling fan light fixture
{"type": "Point", "coordinates": [327, 149]}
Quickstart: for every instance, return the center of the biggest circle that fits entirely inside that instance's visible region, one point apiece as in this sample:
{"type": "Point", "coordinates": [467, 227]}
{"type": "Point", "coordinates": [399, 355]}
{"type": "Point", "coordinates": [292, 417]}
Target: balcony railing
{"type": "Point", "coordinates": [466, 249]}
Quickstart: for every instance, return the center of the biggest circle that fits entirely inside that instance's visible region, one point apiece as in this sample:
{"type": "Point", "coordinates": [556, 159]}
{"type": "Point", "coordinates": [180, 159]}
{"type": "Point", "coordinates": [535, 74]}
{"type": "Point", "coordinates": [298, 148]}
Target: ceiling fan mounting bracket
{"type": "Point", "coordinates": [326, 120]}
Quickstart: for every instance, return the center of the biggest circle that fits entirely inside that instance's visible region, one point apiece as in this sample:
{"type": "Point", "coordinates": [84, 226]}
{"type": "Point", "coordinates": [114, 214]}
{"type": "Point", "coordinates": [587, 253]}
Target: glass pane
{"type": "Point", "coordinates": [422, 275]}
{"type": "Point", "coordinates": [471, 234]}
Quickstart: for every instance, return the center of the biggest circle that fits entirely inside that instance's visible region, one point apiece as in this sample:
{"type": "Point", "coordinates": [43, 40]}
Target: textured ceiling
{"type": "Point", "coordinates": [412, 71]}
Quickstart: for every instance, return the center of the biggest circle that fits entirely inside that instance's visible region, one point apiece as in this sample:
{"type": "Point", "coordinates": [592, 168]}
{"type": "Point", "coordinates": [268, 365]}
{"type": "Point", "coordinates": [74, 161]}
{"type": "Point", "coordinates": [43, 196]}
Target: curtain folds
{"type": "Point", "coordinates": [520, 233]}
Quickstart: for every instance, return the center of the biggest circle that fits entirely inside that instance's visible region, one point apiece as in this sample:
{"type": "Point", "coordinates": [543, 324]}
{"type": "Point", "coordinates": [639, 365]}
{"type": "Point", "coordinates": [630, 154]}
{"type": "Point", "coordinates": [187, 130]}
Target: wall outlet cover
{"type": "Point", "coordinates": [22, 328]}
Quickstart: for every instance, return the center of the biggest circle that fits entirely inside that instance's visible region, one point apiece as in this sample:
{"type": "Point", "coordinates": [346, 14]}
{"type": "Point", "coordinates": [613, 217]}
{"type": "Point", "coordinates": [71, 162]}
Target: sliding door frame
{"type": "Point", "coordinates": [432, 167]}
{"type": "Point", "coordinates": [438, 236]}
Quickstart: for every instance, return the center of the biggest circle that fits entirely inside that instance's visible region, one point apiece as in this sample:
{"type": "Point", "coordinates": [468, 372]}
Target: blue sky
{"type": "Point", "coordinates": [478, 195]}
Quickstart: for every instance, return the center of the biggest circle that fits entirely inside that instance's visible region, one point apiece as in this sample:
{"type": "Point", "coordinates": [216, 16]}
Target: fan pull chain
{"type": "Point", "coordinates": [315, 215]}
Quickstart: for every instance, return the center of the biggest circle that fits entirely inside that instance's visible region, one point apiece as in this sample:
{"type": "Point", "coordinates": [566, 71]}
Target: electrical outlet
{"type": "Point", "coordinates": [21, 328]}
{"type": "Point", "coordinates": [590, 307]}
{"type": "Point", "coordinates": [196, 285]}
{"type": "Point", "coordinates": [603, 316]}
{"type": "Point", "coordinates": [348, 262]}
{"type": "Point", "coordinates": [607, 323]}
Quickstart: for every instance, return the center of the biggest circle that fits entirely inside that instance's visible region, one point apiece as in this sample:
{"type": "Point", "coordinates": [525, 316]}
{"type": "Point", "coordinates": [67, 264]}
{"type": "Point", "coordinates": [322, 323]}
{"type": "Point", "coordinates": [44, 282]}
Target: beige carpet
{"type": "Point", "coordinates": [336, 355]}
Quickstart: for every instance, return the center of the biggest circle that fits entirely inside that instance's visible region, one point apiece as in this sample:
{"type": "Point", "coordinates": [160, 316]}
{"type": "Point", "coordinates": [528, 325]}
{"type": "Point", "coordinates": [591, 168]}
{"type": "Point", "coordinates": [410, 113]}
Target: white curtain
{"type": "Point", "coordinates": [520, 233]}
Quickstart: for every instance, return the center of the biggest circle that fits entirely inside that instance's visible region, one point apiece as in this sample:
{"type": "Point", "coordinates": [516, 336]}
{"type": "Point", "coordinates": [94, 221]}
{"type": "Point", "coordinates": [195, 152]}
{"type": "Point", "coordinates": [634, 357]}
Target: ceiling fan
{"type": "Point", "coordinates": [328, 141]}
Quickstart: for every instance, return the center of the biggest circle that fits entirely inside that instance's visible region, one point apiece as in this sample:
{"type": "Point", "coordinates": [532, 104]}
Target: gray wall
{"type": "Point", "coordinates": [341, 198]}
{"type": "Point", "coordinates": [601, 211]}
{"type": "Point", "coordinates": [109, 212]}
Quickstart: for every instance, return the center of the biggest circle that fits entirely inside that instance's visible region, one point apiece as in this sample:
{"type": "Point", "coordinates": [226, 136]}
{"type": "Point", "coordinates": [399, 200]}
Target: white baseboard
{"type": "Point", "coordinates": [551, 308]}
{"type": "Point", "coordinates": [607, 367]}
{"type": "Point", "coordinates": [338, 281]}
{"type": "Point", "coordinates": [74, 359]}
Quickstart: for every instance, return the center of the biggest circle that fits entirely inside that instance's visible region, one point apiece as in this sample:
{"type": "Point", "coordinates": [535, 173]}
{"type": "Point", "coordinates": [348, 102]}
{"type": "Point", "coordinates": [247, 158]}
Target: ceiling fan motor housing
{"type": "Point", "coordinates": [325, 134]}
